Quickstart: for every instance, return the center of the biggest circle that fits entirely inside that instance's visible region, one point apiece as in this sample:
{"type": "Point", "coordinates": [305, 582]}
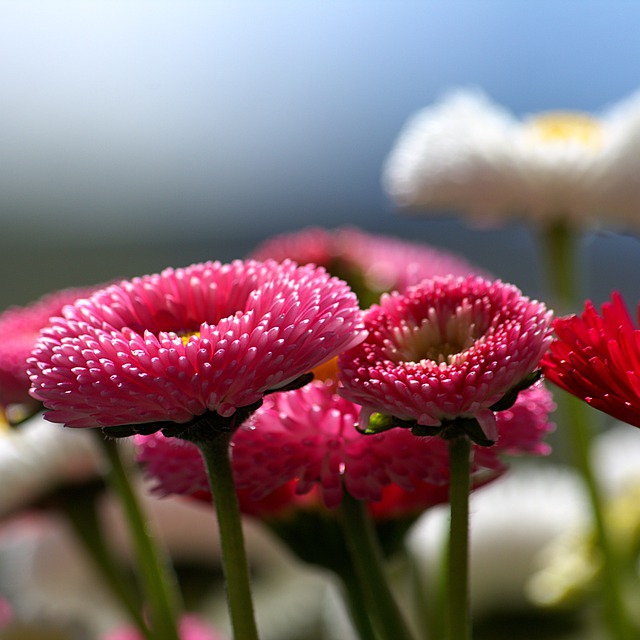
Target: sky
{"type": "Point", "coordinates": [190, 119]}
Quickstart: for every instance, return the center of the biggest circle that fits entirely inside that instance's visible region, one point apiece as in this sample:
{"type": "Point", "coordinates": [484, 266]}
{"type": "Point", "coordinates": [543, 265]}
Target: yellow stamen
{"type": "Point", "coordinates": [566, 126]}
{"type": "Point", "coordinates": [185, 337]}
{"type": "Point", "coordinates": [327, 370]}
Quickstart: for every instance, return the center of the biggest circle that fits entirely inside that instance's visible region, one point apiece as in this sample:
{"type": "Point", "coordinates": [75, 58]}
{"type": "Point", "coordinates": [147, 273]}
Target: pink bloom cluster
{"type": "Point", "coordinates": [596, 357]}
{"type": "Point", "coordinates": [20, 328]}
{"type": "Point", "coordinates": [447, 349]}
{"type": "Point", "coordinates": [306, 439]}
{"type": "Point", "coordinates": [367, 261]}
{"type": "Point", "coordinates": [211, 337]}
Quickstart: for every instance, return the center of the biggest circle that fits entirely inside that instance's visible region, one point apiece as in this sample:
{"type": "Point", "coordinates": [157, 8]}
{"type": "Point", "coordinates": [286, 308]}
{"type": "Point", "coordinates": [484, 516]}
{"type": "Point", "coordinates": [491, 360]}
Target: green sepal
{"type": "Point", "coordinates": [298, 383]}
{"type": "Point", "coordinates": [379, 422]}
{"type": "Point", "coordinates": [423, 431]}
{"type": "Point", "coordinates": [205, 427]}
{"type": "Point", "coordinates": [473, 430]}
{"type": "Point", "coordinates": [450, 429]}
{"type": "Point", "coordinates": [509, 399]}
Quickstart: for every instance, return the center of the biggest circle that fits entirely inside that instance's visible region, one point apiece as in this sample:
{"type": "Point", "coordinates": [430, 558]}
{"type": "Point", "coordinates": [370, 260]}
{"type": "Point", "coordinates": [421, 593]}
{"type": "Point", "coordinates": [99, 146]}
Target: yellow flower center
{"type": "Point", "coordinates": [327, 370]}
{"type": "Point", "coordinates": [185, 337]}
{"type": "Point", "coordinates": [566, 127]}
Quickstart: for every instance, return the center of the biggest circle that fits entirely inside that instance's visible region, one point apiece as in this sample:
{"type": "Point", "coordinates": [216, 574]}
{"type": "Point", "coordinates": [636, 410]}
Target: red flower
{"type": "Point", "coordinates": [596, 357]}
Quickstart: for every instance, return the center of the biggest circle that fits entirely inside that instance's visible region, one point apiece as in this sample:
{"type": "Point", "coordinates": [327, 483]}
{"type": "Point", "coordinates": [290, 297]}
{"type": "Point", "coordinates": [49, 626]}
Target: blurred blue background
{"type": "Point", "coordinates": [141, 134]}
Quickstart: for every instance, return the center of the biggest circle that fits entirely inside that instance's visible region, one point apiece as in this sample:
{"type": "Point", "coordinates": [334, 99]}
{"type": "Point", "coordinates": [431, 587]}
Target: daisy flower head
{"type": "Point", "coordinates": [302, 448]}
{"type": "Point", "coordinates": [20, 328]}
{"type": "Point", "coordinates": [448, 353]}
{"type": "Point", "coordinates": [468, 154]}
{"type": "Point", "coordinates": [596, 357]}
{"type": "Point", "coordinates": [175, 467]}
{"type": "Point", "coordinates": [161, 350]}
{"type": "Point", "coordinates": [372, 264]}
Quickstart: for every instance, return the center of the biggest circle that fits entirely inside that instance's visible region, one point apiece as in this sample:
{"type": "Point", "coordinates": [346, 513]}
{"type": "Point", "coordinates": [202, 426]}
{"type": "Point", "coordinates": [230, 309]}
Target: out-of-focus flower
{"type": "Point", "coordinates": [306, 439]}
{"type": "Point", "coordinates": [175, 345]}
{"type": "Point", "coordinates": [38, 457]}
{"type": "Point", "coordinates": [512, 520]}
{"type": "Point", "coordinates": [48, 579]}
{"type": "Point", "coordinates": [20, 328]}
{"type": "Point", "coordinates": [470, 155]}
{"type": "Point", "coordinates": [371, 264]}
{"type": "Point", "coordinates": [52, 585]}
{"type": "Point", "coordinates": [569, 566]}
{"type": "Point", "coordinates": [309, 435]}
{"type": "Point", "coordinates": [446, 350]}
{"type": "Point", "coordinates": [175, 467]}
{"type": "Point", "coordinates": [191, 627]}
{"type": "Point", "coordinates": [596, 357]}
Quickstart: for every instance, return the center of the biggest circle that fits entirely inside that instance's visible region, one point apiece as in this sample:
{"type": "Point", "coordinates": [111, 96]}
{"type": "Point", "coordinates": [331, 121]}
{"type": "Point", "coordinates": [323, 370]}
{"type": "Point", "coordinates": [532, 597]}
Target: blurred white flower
{"type": "Point", "coordinates": [48, 580]}
{"type": "Point", "coordinates": [512, 519]}
{"type": "Point", "coordinates": [617, 458]}
{"type": "Point", "coordinates": [468, 154]}
{"type": "Point", "coordinates": [38, 456]}
{"type": "Point", "coordinates": [569, 565]}
{"type": "Point", "coordinates": [51, 582]}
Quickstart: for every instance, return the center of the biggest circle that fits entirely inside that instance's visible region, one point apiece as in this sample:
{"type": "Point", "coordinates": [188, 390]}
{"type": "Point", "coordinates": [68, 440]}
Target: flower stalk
{"type": "Point", "coordinates": [459, 618]}
{"type": "Point", "coordinates": [560, 248]}
{"type": "Point", "coordinates": [216, 456]}
{"type": "Point", "coordinates": [368, 561]}
{"type": "Point", "coordinates": [616, 616]}
{"type": "Point", "coordinates": [79, 506]}
{"type": "Point", "coordinates": [157, 582]}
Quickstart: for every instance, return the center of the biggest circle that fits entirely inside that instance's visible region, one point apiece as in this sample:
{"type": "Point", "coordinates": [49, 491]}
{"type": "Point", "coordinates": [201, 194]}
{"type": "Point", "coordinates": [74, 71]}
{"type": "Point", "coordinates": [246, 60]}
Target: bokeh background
{"type": "Point", "coordinates": [140, 134]}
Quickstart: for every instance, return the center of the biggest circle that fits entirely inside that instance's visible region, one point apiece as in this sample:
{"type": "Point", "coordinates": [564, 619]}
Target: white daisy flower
{"type": "Point", "coordinates": [468, 154]}
{"type": "Point", "coordinates": [38, 457]}
{"type": "Point", "coordinates": [512, 520]}
{"type": "Point", "coordinates": [569, 565]}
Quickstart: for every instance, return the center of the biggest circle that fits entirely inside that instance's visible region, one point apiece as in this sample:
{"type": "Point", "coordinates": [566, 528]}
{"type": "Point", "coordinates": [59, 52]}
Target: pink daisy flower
{"type": "Point", "coordinates": [372, 264]}
{"type": "Point", "coordinates": [307, 439]}
{"type": "Point", "coordinates": [596, 357]}
{"type": "Point", "coordinates": [176, 467]}
{"type": "Point", "coordinates": [209, 338]}
{"type": "Point", "coordinates": [190, 628]}
{"type": "Point", "coordinates": [20, 328]}
{"type": "Point", "coordinates": [446, 352]}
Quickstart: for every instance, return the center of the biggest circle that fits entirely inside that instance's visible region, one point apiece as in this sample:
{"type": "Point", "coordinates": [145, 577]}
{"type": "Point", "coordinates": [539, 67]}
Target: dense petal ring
{"type": "Point", "coordinates": [211, 337]}
{"type": "Point", "coordinates": [448, 348]}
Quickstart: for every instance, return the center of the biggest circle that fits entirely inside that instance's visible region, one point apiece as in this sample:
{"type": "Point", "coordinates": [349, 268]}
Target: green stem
{"type": "Point", "coordinates": [367, 558]}
{"type": "Point", "coordinates": [356, 603]}
{"type": "Point", "coordinates": [434, 614]}
{"type": "Point", "coordinates": [79, 506]}
{"type": "Point", "coordinates": [578, 417]}
{"type": "Point", "coordinates": [560, 248]}
{"type": "Point", "coordinates": [216, 455]}
{"type": "Point", "coordinates": [458, 586]}
{"type": "Point", "coordinates": [158, 584]}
